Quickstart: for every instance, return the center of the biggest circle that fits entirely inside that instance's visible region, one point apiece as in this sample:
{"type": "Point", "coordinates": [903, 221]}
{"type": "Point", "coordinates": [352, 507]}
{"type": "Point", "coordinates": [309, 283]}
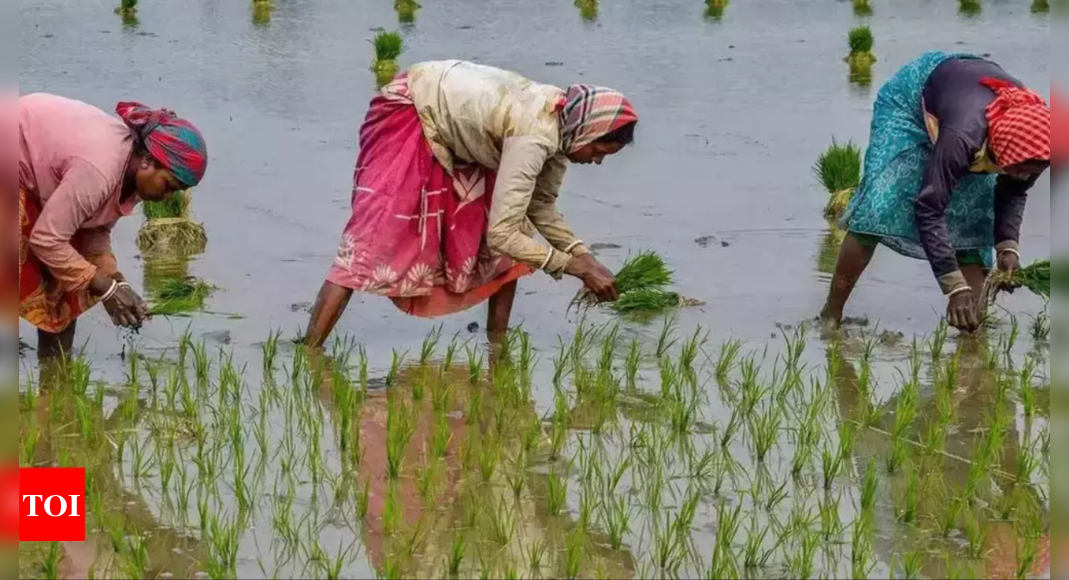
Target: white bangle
{"type": "Point", "coordinates": [548, 257]}
{"type": "Point", "coordinates": [1011, 251]}
{"type": "Point", "coordinates": [572, 246]}
{"type": "Point", "coordinates": [959, 290]}
{"type": "Point", "coordinates": [111, 292]}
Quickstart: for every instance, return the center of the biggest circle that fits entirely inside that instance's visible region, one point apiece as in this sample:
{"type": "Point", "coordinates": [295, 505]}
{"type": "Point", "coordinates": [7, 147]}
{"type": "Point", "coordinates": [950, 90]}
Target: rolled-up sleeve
{"type": "Point", "coordinates": [949, 162]}
{"type": "Point", "coordinates": [544, 214]}
{"type": "Point", "coordinates": [80, 195]}
{"type": "Point", "coordinates": [523, 160]}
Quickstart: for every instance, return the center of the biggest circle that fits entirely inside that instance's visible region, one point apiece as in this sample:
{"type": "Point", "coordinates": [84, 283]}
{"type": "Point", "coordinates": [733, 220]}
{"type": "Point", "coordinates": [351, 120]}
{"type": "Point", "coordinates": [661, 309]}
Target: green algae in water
{"type": "Point", "coordinates": [181, 296]}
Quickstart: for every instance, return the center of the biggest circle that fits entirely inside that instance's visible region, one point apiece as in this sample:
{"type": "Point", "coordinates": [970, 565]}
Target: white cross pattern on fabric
{"type": "Point", "coordinates": [425, 214]}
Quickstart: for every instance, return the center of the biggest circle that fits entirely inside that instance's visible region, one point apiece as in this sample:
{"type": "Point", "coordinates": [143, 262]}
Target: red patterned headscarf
{"type": "Point", "coordinates": [1018, 124]}
{"type": "Point", "coordinates": [175, 143]}
{"type": "Point", "coordinates": [589, 113]}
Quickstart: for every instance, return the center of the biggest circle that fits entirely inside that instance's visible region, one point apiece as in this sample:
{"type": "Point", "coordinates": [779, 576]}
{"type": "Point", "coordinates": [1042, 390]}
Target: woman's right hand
{"type": "Point", "coordinates": [597, 278]}
{"type": "Point", "coordinates": [961, 312]}
{"type": "Point", "coordinates": [125, 307]}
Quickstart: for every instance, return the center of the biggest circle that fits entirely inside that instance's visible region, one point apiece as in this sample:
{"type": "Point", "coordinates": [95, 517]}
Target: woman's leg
{"type": "Point", "coordinates": [329, 306]}
{"type": "Point", "coordinates": [854, 258]}
{"type": "Point", "coordinates": [497, 323]}
{"type": "Point", "coordinates": [53, 346]}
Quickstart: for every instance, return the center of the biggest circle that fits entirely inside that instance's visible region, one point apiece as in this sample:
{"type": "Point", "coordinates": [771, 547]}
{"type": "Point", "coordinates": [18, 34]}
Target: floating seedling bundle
{"type": "Point", "coordinates": [261, 11]}
{"type": "Point", "coordinates": [588, 9]}
{"type": "Point", "coordinates": [168, 227]}
{"type": "Point", "coordinates": [406, 10]}
{"type": "Point", "coordinates": [839, 171]}
{"type": "Point", "coordinates": [862, 8]}
{"type": "Point", "coordinates": [970, 8]}
{"type": "Point", "coordinates": [861, 58]}
{"type": "Point", "coordinates": [180, 296]}
{"type": "Point", "coordinates": [714, 9]}
{"type": "Point", "coordinates": [643, 283]}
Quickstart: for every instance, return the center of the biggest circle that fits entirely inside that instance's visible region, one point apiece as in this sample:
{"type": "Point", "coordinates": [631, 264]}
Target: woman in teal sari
{"type": "Point", "coordinates": [956, 145]}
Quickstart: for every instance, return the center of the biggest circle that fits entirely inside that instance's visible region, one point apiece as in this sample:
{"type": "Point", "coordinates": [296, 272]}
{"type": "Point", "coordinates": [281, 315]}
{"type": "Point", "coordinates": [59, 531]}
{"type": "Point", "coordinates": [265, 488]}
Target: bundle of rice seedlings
{"type": "Point", "coordinates": [970, 7]}
{"type": "Point", "coordinates": [127, 8]}
{"type": "Point", "coordinates": [1040, 6]}
{"type": "Point", "coordinates": [714, 9]}
{"type": "Point", "coordinates": [588, 9]}
{"type": "Point", "coordinates": [646, 300]}
{"type": "Point", "coordinates": [181, 296]}
{"type": "Point", "coordinates": [645, 271]}
{"type": "Point", "coordinates": [261, 12]}
{"type": "Point", "coordinates": [158, 270]}
{"type": "Point", "coordinates": [388, 46]}
{"type": "Point", "coordinates": [862, 8]}
{"type": "Point", "coordinates": [168, 227]}
{"type": "Point", "coordinates": [406, 10]}
{"type": "Point", "coordinates": [861, 42]}
{"type": "Point", "coordinates": [839, 171]}
{"type": "Point", "coordinates": [1036, 278]}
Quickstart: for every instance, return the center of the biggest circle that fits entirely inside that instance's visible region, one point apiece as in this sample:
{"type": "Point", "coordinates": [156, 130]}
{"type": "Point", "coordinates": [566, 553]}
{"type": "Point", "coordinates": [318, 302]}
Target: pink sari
{"type": "Point", "coordinates": [417, 234]}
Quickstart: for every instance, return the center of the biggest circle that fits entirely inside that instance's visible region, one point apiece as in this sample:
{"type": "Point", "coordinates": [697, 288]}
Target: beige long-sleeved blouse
{"type": "Point", "coordinates": [495, 118]}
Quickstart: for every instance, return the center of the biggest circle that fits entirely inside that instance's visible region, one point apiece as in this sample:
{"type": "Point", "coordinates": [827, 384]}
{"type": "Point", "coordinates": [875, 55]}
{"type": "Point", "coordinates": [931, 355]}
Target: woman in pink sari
{"type": "Point", "coordinates": [460, 164]}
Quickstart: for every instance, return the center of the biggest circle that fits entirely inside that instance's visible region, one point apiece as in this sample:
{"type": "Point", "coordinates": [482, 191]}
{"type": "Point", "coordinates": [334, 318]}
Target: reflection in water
{"type": "Point", "coordinates": [714, 9]}
{"type": "Point", "coordinates": [830, 244]}
{"type": "Point", "coordinates": [62, 426]}
{"type": "Point", "coordinates": [957, 408]}
{"type": "Point", "coordinates": [470, 497]}
{"type": "Point", "coordinates": [588, 10]}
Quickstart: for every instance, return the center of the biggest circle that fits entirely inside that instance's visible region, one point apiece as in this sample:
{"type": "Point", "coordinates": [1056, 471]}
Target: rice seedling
{"type": "Point", "coordinates": [724, 564]}
{"type": "Point", "coordinates": [168, 228]}
{"type": "Point", "coordinates": [764, 431]}
{"type": "Point", "coordinates": [803, 562]}
{"type": "Point", "coordinates": [475, 366]}
{"type": "Point", "coordinates": [388, 47]}
{"type": "Point", "coordinates": [127, 8]}
{"type": "Point", "coordinates": [862, 8]}
{"type": "Point", "coordinates": [557, 497]}
{"type": "Point", "coordinates": [643, 271]}
{"type": "Point", "coordinates": [52, 559]}
{"type": "Point", "coordinates": [861, 42]}
{"type": "Point", "coordinates": [588, 9]}
{"type": "Point", "coordinates": [399, 431]}
{"type": "Point", "coordinates": [406, 10]}
{"type": "Point", "coordinates": [861, 553]}
{"type": "Point", "coordinates": [714, 9]}
{"type": "Point", "coordinates": [839, 171]}
{"type": "Point", "coordinates": [616, 513]}
{"type": "Point", "coordinates": [869, 487]}
{"type": "Point", "coordinates": [970, 8]}
{"type": "Point", "coordinates": [975, 534]}
{"type": "Point", "coordinates": [755, 556]}
{"type": "Point", "coordinates": [183, 296]}
{"type": "Point", "coordinates": [725, 363]}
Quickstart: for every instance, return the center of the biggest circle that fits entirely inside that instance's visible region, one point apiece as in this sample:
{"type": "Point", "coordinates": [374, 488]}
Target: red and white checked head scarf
{"type": "Point", "coordinates": [1018, 124]}
{"type": "Point", "coordinates": [589, 113]}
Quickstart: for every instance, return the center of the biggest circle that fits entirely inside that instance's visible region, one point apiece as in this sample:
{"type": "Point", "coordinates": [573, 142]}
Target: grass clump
{"type": "Point", "coordinates": [388, 47]}
{"type": "Point", "coordinates": [168, 227]}
{"type": "Point", "coordinates": [181, 296]}
{"type": "Point", "coordinates": [839, 171]}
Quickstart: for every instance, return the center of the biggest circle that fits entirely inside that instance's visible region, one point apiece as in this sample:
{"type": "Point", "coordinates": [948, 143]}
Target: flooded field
{"type": "Point", "coordinates": [732, 441]}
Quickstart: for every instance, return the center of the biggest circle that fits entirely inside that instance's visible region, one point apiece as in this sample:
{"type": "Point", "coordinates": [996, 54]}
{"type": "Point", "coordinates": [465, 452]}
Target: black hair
{"type": "Point", "coordinates": [624, 135]}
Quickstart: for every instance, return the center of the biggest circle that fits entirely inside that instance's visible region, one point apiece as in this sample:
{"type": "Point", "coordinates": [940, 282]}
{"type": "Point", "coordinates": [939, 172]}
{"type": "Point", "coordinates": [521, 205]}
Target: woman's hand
{"type": "Point", "coordinates": [961, 312]}
{"type": "Point", "coordinates": [125, 307]}
{"type": "Point", "coordinates": [597, 278]}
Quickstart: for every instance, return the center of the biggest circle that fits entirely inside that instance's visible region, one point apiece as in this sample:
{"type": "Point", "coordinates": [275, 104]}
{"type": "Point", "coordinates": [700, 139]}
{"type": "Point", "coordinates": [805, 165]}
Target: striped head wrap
{"type": "Point", "coordinates": [174, 143]}
{"type": "Point", "coordinates": [589, 113]}
{"type": "Point", "coordinates": [1018, 124]}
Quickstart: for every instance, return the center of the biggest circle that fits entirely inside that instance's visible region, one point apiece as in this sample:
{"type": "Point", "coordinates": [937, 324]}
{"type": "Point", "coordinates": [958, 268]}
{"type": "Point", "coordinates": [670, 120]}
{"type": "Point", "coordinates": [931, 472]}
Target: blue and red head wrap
{"type": "Point", "coordinates": [174, 143]}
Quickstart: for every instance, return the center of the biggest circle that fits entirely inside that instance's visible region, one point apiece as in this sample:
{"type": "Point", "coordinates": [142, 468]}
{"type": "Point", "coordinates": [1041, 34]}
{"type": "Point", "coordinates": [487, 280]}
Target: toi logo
{"type": "Point", "coordinates": [52, 505]}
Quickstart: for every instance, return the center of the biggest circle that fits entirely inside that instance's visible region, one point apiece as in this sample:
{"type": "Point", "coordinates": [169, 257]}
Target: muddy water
{"type": "Point", "coordinates": [733, 114]}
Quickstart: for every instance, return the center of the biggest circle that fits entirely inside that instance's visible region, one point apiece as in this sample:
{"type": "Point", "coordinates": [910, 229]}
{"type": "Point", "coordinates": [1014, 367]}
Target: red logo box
{"type": "Point", "coordinates": [52, 505]}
